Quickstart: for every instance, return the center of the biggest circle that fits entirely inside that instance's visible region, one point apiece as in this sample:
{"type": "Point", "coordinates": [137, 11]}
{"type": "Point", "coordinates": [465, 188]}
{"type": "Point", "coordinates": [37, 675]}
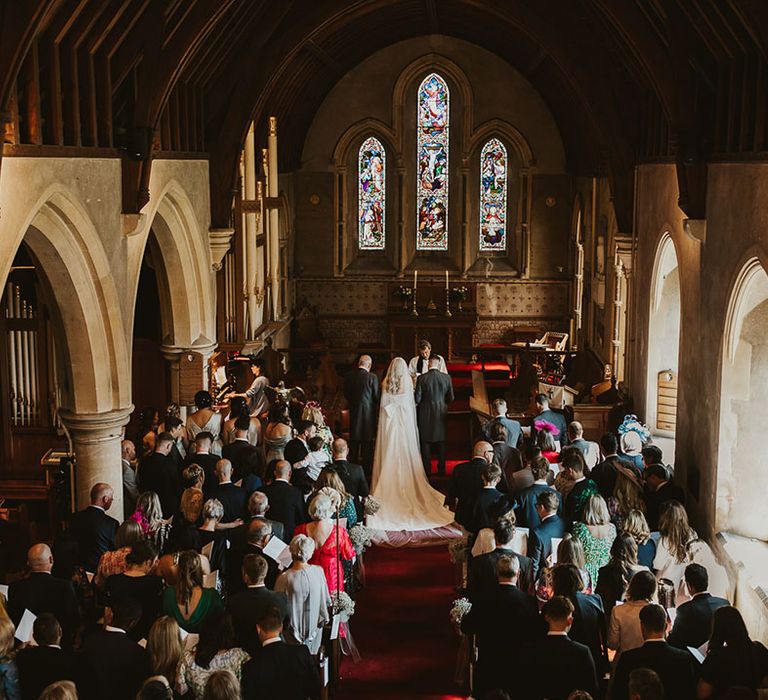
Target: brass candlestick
{"type": "Point", "coordinates": [448, 302]}
{"type": "Point", "coordinates": [414, 310]}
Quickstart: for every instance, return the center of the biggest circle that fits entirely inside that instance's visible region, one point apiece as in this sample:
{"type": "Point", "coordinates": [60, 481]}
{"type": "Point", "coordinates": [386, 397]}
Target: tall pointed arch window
{"type": "Point", "coordinates": [432, 158]}
{"type": "Point", "coordinates": [493, 196]}
{"type": "Point", "coordinates": [371, 194]}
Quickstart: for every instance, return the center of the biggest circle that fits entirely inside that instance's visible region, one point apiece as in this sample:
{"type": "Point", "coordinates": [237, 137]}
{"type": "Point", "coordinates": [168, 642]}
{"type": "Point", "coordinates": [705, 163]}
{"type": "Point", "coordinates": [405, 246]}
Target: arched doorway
{"type": "Point", "coordinates": [663, 347]}
{"type": "Point", "coordinates": [741, 477]}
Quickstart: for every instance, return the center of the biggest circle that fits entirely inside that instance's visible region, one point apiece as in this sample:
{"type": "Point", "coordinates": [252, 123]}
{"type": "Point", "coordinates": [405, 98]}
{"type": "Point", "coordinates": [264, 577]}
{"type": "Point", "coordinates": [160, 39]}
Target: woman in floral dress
{"type": "Point", "coordinates": [596, 533]}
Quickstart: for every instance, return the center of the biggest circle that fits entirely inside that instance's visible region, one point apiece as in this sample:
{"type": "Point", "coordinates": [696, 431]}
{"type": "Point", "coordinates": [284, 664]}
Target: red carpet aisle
{"type": "Point", "coordinates": [402, 630]}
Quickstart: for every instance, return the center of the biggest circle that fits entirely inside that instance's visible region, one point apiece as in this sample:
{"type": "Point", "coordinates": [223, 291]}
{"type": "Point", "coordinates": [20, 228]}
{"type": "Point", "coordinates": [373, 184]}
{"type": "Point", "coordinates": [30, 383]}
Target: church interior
{"type": "Point", "coordinates": [563, 198]}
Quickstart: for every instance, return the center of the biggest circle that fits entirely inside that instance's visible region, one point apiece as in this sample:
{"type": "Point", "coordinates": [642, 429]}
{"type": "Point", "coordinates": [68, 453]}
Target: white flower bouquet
{"type": "Point", "coordinates": [342, 605]}
{"type": "Point", "coordinates": [458, 550]}
{"type": "Point", "coordinates": [371, 506]}
{"type": "Point", "coordinates": [460, 608]}
{"type": "Point", "coordinates": [361, 537]}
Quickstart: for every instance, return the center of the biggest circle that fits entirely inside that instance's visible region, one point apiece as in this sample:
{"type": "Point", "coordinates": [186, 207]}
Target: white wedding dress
{"type": "Point", "coordinates": [399, 483]}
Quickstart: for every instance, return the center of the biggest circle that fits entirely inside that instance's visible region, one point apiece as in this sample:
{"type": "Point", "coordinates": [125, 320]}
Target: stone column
{"type": "Point", "coordinates": [173, 354]}
{"type": "Point", "coordinates": [273, 191]}
{"type": "Point", "coordinates": [96, 440]}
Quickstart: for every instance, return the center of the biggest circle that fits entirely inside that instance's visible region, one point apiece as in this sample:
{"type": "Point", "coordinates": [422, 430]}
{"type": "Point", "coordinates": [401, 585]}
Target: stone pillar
{"type": "Point", "coordinates": [273, 191]}
{"type": "Point", "coordinates": [96, 441]}
{"type": "Point", "coordinates": [173, 354]}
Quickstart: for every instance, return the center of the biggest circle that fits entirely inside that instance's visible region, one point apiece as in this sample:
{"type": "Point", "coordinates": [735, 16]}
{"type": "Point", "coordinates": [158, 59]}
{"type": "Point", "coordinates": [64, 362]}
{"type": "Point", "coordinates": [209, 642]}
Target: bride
{"type": "Point", "coordinates": [400, 485]}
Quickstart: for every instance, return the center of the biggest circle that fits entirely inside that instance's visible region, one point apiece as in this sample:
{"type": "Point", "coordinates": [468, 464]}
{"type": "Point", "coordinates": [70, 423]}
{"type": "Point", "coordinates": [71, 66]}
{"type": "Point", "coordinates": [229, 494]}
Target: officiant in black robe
{"type": "Point", "coordinates": [362, 391]}
{"type": "Point", "coordinates": [434, 391]}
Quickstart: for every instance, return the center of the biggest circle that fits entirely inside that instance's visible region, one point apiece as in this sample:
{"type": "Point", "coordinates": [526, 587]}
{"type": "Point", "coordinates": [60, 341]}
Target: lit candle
{"type": "Point", "coordinates": [446, 280]}
{"type": "Point", "coordinates": [415, 279]}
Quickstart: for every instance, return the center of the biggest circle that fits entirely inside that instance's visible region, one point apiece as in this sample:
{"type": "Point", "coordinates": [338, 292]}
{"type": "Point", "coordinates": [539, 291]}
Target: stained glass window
{"type": "Point", "coordinates": [432, 155]}
{"type": "Point", "coordinates": [493, 196]}
{"type": "Point", "coordinates": [371, 194]}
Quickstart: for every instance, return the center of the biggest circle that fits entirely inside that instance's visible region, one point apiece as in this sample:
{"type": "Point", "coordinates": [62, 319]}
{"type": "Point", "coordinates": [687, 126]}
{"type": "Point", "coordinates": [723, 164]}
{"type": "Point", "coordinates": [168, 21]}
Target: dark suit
{"type": "Point", "coordinates": [94, 531]}
{"type": "Point", "coordinates": [604, 476]}
{"type": "Point", "coordinates": [234, 567]}
{"type": "Point", "coordinates": [693, 623]}
{"type": "Point", "coordinates": [362, 392]}
{"type": "Point", "coordinates": [540, 541]}
{"type": "Point", "coordinates": [434, 391]}
{"type": "Point", "coordinates": [675, 669]}
{"type": "Point", "coordinates": [482, 573]}
{"type": "Point", "coordinates": [244, 457]}
{"type": "Point", "coordinates": [281, 671]}
{"type": "Point", "coordinates": [355, 483]}
{"type": "Point", "coordinates": [466, 485]}
{"type": "Point", "coordinates": [40, 593]}
{"type": "Point", "coordinates": [233, 498]}
{"type": "Point", "coordinates": [484, 504]}
{"type": "Point", "coordinates": [295, 451]}
{"type": "Point", "coordinates": [526, 505]}
{"type": "Point", "coordinates": [561, 666]}
{"type": "Point", "coordinates": [654, 501]}
{"type": "Point", "coordinates": [248, 607]}
{"type": "Point", "coordinates": [589, 628]}
{"type": "Point", "coordinates": [508, 459]}
{"type": "Point", "coordinates": [41, 666]}
{"type": "Point", "coordinates": [514, 431]}
{"type": "Point", "coordinates": [159, 473]}
{"type": "Point", "coordinates": [557, 419]}
{"type": "Point", "coordinates": [207, 462]}
{"type": "Point", "coordinates": [238, 535]}
{"type": "Point", "coordinates": [286, 504]}
{"type": "Point", "coordinates": [114, 666]}
{"type": "Point", "coordinates": [506, 623]}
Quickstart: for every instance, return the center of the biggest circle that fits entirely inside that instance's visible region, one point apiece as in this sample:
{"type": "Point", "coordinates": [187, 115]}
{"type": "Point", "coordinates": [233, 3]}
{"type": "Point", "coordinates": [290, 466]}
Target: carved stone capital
{"type": "Point", "coordinates": [92, 428]}
{"type": "Point", "coordinates": [132, 223]}
{"type": "Point", "coordinates": [219, 240]}
{"type": "Point", "coordinates": [696, 229]}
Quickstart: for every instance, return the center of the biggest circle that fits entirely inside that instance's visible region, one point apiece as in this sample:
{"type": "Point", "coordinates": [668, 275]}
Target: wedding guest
{"type": "Point", "coordinates": [332, 542]}
{"type": "Point", "coordinates": [279, 671]}
{"type": "Point", "coordinates": [248, 606]}
{"type": "Point", "coordinates": [645, 684]}
{"type": "Point", "coordinates": [329, 479]}
{"type": "Point", "coordinates": [733, 659]}
{"type": "Point", "coordinates": [187, 601]}
{"type": "Point", "coordinates": [222, 685]}
{"type": "Point", "coordinates": [149, 419]}
{"type": "Point", "coordinates": [362, 392]}
{"type": "Point", "coordinates": [651, 455]}
{"type": "Point", "coordinates": [636, 525]}
{"type": "Point", "coordinates": [482, 570]}
{"type": "Point", "coordinates": [136, 583]}
{"type": "Point", "coordinates": [486, 499]}
{"type": "Point", "coordinates": [60, 690]}
{"type": "Point", "coordinates": [571, 551]}
{"type": "Point", "coordinates": [580, 488]}
{"type": "Point", "coordinates": [45, 662]}
{"type": "Point", "coordinates": [149, 515]}
{"type": "Point", "coordinates": [128, 534]}
{"type": "Point", "coordinates": [351, 474]}
{"type": "Point", "coordinates": [659, 490]}
{"type": "Point", "coordinates": [159, 473]}
{"type": "Point", "coordinates": [204, 458]}
{"type": "Point", "coordinates": [205, 420]}
{"type": "Point", "coordinates": [308, 597]}
{"type": "Point", "coordinates": [604, 473]}
{"type": "Point", "coordinates": [40, 592]}
{"type": "Point", "coordinates": [9, 673]}
{"type": "Point", "coordinates": [632, 436]}
{"type": "Point", "coordinates": [114, 665]}
{"type": "Point", "coordinates": [155, 688]}
{"type": "Point", "coordinates": [259, 534]}
{"type": "Point", "coordinates": [678, 546]}
{"type": "Point", "coordinates": [627, 495]}
{"type": "Point", "coordinates": [546, 440]}
{"type": "Point", "coordinates": [175, 427]}
{"type": "Point", "coordinates": [693, 621]}
{"type": "Point", "coordinates": [575, 668]}
{"type": "Point", "coordinates": [130, 488]}
{"type": "Point", "coordinates": [624, 630]}
{"type": "Point", "coordinates": [551, 526]}
{"type": "Point", "coordinates": [614, 577]}
{"type": "Point", "coordinates": [255, 395]}
{"type": "Point", "coordinates": [165, 648]}
{"type": "Point", "coordinates": [208, 534]}
{"type": "Point", "coordinates": [467, 483]}
{"type": "Point", "coordinates": [589, 449]}
{"type": "Point", "coordinates": [298, 448]}
{"type": "Point", "coordinates": [527, 500]}
{"type": "Point", "coordinates": [485, 541]}
{"type": "Point", "coordinates": [674, 667]}
{"type": "Point", "coordinates": [546, 414]}
{"type": "Point", "coordinates": [239, 430]}
{"type": "Point", "coordinates": [94, 530]}
{"type": "Point", "coordinates": [278, 432]}
{"type": "Point", "coordinates": [596, 533]}
{"type": "Point", "coordinates": [286, 503]}
{"type": "Point", "coordinates": [232, 498]}
{"type": "Point", "coordinates": [192, 477]}
{"type": "Point", "coordinates": [258, 506]}
{"type": "Point", "coordinates": [503, 658]}
{"type": "Point", "coordinates": [306, 471]}
{"type": "Point", "coordinates": [186, 521]}
{"type": "Point", "coordinates": [589, 624]}
{"type": "Point", "coordinates": [513, 432]}
{"type": "Point", "coordinates": [509, 460]}
{"type": "Point", "coordinates": [215, 651]}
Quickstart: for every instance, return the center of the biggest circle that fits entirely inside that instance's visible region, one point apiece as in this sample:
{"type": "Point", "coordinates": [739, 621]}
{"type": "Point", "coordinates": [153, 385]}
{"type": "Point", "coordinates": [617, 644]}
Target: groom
{"type": "Point", "coordinates": [434, 391]}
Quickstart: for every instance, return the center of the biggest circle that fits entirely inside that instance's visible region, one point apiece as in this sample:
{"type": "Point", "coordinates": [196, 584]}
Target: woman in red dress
{"type": "Point", "coordinates": [332, 543]}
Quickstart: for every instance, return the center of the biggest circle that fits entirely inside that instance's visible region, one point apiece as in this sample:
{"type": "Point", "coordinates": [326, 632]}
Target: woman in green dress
{"type": "Point", "coordinates": [596, 533]}
{"type": "Point", "coordinates": [188, 602]}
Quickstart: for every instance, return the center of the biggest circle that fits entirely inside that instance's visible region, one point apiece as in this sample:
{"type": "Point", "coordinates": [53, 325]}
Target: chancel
{"type": "Point", "coordinates": [373, 349]}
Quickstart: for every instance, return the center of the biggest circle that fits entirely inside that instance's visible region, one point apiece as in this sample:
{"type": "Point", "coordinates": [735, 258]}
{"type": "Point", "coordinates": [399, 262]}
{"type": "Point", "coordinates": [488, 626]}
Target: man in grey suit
{"type": "Point", "coordinates": [434, 391]}
{"type": "Point", "coordinates": [362, 391]}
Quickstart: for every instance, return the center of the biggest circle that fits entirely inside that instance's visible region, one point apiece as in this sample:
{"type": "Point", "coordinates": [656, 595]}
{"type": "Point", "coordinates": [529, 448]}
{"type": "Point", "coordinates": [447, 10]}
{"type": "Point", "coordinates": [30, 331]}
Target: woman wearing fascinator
{"type": "Point", "coordinates": [633, 436]}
